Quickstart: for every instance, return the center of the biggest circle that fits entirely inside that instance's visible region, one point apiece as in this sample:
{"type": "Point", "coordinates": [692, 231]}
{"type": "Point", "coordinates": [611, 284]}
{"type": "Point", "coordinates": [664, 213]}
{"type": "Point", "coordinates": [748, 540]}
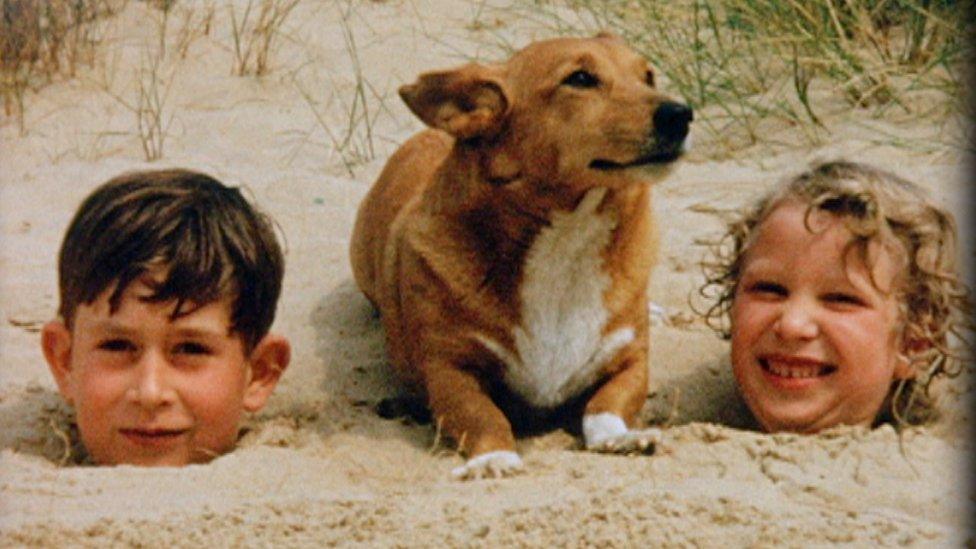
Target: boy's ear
{"type": "Point", "coordinates": [268, 361]}
{"type": "Point", "coordinates": [470, 101]}
{"type": "Point", "coordinates": [56, 344]}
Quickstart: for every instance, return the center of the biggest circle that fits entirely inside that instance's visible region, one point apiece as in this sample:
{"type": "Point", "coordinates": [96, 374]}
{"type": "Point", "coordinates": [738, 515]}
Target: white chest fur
{"type": "Point", "coordinates": [560, 347]}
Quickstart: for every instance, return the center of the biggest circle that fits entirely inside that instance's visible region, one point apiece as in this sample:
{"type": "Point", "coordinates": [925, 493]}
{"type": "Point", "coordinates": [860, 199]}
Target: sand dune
{"type": "Point", "coordinates": [318, 467]}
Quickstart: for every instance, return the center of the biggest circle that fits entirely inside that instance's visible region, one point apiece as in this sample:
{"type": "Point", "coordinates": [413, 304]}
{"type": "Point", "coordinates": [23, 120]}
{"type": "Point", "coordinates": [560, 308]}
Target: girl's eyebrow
{"type": "Point", "coordinates": [760, 266]}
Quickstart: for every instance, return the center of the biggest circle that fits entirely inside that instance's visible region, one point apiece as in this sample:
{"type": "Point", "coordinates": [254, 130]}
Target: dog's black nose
{"type": "Point", "coordinates": [671, 121]}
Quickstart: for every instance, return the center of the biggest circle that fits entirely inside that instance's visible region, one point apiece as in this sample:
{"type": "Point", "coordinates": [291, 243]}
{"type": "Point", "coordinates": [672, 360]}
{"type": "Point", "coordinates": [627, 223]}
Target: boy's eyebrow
{"type": "Point", "coordinates": [200, 332]}
{"type": "Point", "coordinates": [111, 327]}
{"type": "Point", "coordinates": [108, 325]}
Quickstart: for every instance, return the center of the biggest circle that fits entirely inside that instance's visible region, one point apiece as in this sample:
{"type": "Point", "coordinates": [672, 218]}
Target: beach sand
{"type": "Point", "coordinates": [318, 466]}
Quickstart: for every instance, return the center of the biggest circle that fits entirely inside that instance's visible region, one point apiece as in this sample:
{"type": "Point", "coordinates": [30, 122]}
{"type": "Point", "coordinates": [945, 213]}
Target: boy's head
{"type": "Point", "coordinates": [841, 292]}
{"type": "Point", "coordinates": [168, 286]}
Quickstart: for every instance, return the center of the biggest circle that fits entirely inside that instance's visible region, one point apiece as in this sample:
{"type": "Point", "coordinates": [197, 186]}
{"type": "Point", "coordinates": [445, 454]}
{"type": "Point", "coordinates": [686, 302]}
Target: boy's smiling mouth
{"type": "Point", "coordinates": [795, 367]}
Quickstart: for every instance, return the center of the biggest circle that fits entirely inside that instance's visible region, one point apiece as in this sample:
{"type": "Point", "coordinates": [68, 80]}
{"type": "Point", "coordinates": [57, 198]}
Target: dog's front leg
{"type": "Point", "coordinates": [464, 411]}
{"type": "Point", "coordinates": [612, 408]}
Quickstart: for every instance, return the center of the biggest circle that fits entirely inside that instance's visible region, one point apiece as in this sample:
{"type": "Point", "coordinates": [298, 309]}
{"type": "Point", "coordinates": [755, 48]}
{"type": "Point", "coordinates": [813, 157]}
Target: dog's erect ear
{"type": "Point", "coordinates": [609, 35]}
{"type": "Point", "coordinates": [467, 102]}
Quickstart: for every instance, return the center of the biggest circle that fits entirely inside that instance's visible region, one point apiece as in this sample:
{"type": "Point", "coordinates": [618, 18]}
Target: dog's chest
{"type": "Point", "coordinates": [559, 345]}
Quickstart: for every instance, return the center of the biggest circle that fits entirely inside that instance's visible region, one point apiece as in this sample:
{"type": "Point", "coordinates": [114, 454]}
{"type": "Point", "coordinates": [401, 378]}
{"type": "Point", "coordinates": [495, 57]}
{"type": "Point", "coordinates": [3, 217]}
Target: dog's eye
{"type": "Point", "coordinates": [649, 78]}
{"type": "Point", "coordinates": [581, 79]}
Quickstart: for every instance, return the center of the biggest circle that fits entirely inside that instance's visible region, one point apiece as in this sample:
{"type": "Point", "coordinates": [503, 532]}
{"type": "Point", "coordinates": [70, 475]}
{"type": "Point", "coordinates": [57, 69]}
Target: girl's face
{"type": "Point", "coordinates": [815, 342]}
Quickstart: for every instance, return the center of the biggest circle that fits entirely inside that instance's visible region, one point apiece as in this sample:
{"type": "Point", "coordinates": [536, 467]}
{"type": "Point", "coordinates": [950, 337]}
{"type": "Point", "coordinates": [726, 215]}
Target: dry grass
{"type": "Point", "coordinates": [43, 40]}
{"type": "Point", "coordinates": [153, 79]}
{"type": "Point", "coordinates": [349, 113]}
{"type": "Point", "coordinates": [757, 71]}
{"type": "Point", "coordinates": [256, 30]}
{"type": "Point", "coordinates": [767, 73]}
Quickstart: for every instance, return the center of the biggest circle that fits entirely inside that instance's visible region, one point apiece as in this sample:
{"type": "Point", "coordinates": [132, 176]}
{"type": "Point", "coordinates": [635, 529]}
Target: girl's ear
{"type": "Point", "coordinates": [56, 345]}
{"type": "Point", "coordinates": [903, 368]}
{"type": "Point", "coordinates": [268, 361]}
{"type": "Point", "coordinates": [911, 346]}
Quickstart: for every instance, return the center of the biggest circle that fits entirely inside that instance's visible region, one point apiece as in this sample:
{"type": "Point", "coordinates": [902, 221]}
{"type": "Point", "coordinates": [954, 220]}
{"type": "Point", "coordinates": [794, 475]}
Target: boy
{"type": "Point", "coordinates": [168, 284]}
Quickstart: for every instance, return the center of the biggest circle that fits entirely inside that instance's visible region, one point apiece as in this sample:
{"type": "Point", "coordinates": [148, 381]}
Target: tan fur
{"type": "Point", "coordinates": [441, 240]}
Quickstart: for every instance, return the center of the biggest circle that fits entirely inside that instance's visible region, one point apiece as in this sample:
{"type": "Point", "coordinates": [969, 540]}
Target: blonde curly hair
{"type": "Point", "coordinates": [875, 205]}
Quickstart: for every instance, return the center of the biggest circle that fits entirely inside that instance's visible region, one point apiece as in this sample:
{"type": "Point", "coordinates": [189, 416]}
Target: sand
{"type": "Point", "coordinates": [318, 466]}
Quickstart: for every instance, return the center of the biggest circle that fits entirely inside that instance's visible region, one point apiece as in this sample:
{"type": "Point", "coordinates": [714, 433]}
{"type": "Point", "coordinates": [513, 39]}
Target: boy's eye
{"type": "Point", "coordinates": [116, 345]}
{"type": "Point", "coordinates": [581, 79]}
{"type": "Point", "coordinates": [191, 348]}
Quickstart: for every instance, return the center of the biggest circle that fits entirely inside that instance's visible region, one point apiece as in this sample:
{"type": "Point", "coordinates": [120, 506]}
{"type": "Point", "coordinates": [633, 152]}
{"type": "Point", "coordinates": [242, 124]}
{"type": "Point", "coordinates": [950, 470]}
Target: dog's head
{"type": "Point", "coordinates": [565, 111]}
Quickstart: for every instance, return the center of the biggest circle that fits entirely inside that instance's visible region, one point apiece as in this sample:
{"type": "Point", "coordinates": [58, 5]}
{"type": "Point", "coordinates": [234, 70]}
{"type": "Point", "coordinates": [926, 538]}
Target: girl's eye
{"type": "Point", "coordinates": [767, 288]}
{"type": "Point", "coordinates": [116, 345]}
{"type": "Point", "coordinates": [191, 348]}
{"type": "Point", "coordinates": [843, 299]}
{"type": "Point", "coordinates": [581, 79]}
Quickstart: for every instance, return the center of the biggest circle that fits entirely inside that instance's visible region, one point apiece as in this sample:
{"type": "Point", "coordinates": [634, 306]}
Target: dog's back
{"type": "Point", "coordinates": [404, 178]}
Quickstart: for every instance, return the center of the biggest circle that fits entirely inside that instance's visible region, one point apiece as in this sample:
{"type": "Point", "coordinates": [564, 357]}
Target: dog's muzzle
{"type": "Point", "coordinates": [671, 125]}
{"type": "Point", "coordinates": [672, 121]}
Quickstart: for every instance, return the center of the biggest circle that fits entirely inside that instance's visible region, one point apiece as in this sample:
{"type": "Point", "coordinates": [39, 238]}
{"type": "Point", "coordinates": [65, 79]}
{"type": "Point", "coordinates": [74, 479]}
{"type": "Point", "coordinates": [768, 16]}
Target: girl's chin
{"type": "Point", "coordinates": [802, 421]}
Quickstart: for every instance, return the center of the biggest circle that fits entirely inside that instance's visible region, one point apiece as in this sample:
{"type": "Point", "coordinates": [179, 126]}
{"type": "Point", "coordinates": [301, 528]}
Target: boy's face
{"type": "Point", "coordinates": [148, 390]}
{"type": "Point", "coordinates": [814, 342]}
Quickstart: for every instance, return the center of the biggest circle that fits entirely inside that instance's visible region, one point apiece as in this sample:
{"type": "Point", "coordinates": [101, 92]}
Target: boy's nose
{"type": "Point", "coordinates": [150, 388]}
{"type": "Point", "coordinates": [796, 321]}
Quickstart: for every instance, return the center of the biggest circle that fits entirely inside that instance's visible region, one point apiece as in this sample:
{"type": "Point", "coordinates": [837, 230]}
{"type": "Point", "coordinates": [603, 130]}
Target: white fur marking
{"type": "Point", "coordinates": [499, 463]}
{"type": "Point", "coordinates": [598, 428]}
{"type": "Point", "coordinates": [559, 345]}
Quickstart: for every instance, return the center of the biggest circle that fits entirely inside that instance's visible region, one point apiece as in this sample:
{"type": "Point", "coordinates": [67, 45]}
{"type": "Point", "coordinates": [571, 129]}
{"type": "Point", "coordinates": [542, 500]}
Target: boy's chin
{"type": "Point", "coordinates": [147, 459]}
{"type": "Point", "coordinates": [141, 460]}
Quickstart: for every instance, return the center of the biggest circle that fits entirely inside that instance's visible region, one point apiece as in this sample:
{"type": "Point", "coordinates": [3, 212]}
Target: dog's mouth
{"type": "Point", "coordinates": [657, 157]}
{"type": "Point", "coordinates": [665, 144]}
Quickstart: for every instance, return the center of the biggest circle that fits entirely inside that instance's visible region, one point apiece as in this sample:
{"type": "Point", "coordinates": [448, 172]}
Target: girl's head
{"type": "Point", "coordinates": [839, 291]}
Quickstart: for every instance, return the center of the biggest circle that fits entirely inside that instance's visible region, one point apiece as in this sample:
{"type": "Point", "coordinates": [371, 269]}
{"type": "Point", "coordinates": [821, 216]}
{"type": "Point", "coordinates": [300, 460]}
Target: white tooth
{"type": "Point", "coordinates": [797, 372]}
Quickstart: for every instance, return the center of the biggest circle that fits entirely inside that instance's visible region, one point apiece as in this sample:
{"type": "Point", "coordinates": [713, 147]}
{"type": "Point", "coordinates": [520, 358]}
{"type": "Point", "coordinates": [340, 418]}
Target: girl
{"type": "Point", "coordinates": [842, 294]}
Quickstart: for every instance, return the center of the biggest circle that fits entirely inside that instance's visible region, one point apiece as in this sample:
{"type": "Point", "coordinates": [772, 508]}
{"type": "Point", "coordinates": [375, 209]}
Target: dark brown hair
{"type": "Point", "coordinates": [202, 237]}
{"type": "Point", "coordinates": [875, 205]}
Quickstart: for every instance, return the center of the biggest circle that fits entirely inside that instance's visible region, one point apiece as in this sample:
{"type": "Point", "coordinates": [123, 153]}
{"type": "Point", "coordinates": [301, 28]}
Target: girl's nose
{"type": "Point", "coordinates": [796, 321]}
{"type": "Point", "coordinates": [150, 387]}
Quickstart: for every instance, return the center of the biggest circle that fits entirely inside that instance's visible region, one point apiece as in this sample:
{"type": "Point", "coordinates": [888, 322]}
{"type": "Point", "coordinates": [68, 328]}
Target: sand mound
{"type": "Point", "coordinates": [318, 466]}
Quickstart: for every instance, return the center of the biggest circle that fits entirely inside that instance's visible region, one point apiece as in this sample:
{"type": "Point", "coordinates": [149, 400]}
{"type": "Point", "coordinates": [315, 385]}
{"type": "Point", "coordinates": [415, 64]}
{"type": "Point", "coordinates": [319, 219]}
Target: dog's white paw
{"type": "Point", "coordinates": [498, 464]}
{"type": "Point", "coordinates": [606, 432]}
{"type": "Point", "coordinates": [643, 441]}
